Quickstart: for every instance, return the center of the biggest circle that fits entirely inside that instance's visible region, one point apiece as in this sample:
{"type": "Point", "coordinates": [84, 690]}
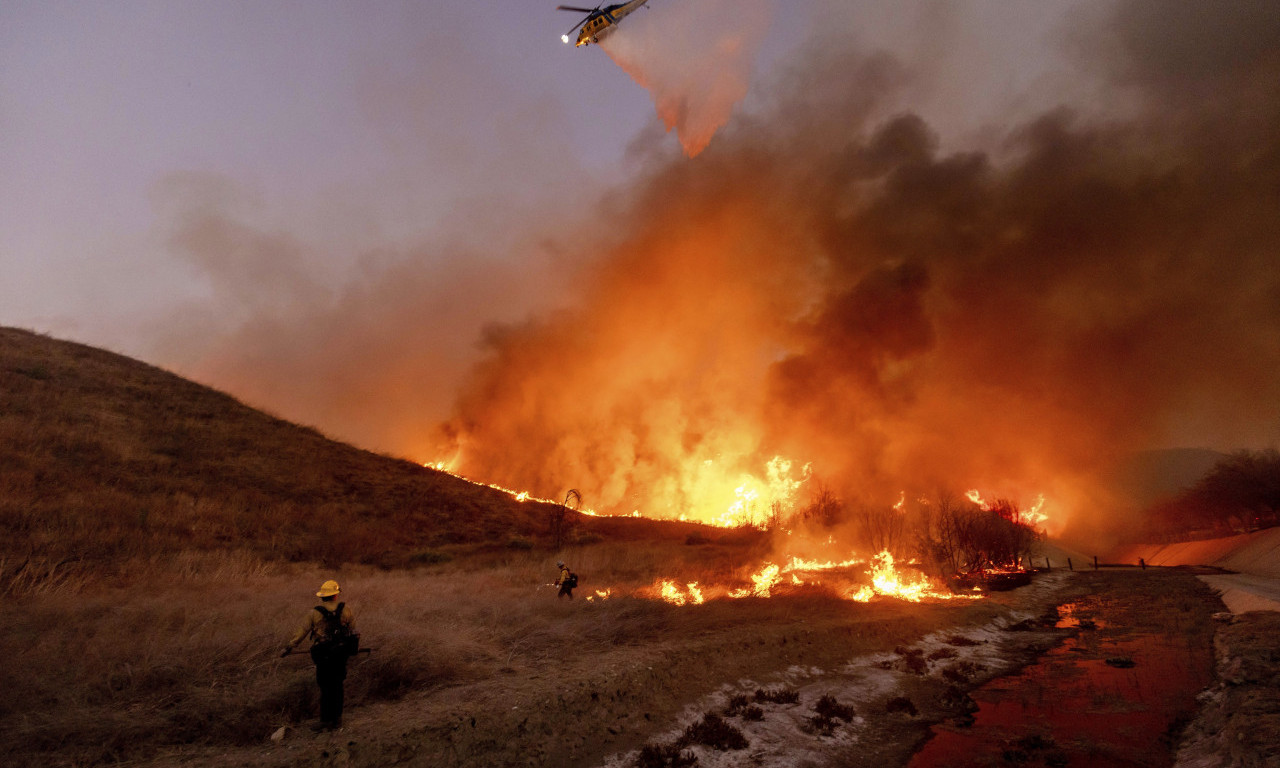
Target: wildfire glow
{"type": "Point", "coordinates": [671, 592]}
{"type": "Point", "coordinates": [800, 564]}
{"type": "Point", "coordinates": [747, 499]}
{"type": "Point", "coordinates": [762, 583]}
{"type": "Point", "coordinates": [886, 581]}
{"type": "Point", "coordinates": [1034, 517]}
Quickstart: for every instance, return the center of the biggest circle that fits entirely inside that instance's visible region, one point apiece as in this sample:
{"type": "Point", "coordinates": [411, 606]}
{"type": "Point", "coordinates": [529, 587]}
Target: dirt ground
{"type": "Point", "coordinates": [898, 668]}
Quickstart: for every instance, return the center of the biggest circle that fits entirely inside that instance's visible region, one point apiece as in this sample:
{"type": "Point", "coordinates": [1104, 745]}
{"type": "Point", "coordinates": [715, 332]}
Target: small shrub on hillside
{"type": "Point", "coordinates": [960, 673]}
{"type": "Point", "coordinates": [714, 732]}
{"type": "Point", "coordinates": [429, 557]}
{"type": "Point", "coordinates": [828, 706]}
{"type": "Point", "coordinates": [778, 696]}
{"type": "Point", "coordinates": [827, 714]}
{"type": "Point", "coordinates": [519, 542]}
{"type": "Point", "coordinates": [901, 704]}
{"type": "Point", "coordinates": [961, 641]}
{"type": "Point", "coordinates": [942, 653]}
{"type": "Point", "coordinates": [740, 706]}
{"type": "Point", "coordinates": [737, 703]}
{"type": "Point", "coordinates": [697, 538]}
{"type": "Point", "coordinates": [665, 756]}
{"type": "Point", "coordinates": [912, 659]}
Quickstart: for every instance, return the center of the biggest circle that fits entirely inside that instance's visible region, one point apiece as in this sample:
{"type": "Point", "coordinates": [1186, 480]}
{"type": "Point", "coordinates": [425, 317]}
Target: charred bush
{"type": "Point", "coordinates": [827, 714]}
{"type": "Point", "coordinates": [942, 653]}
{"type": "Point", "coordinates": [777, 696]}
{"type": "Point", "coordinates": [712, 731]}
{"type": "Point", "coordinates": [737, 703]}
{"type": "Point", "coordinates": [913, 660]}
{"type": "Point", "coordinates": [957, 698]}
{"type": "Point", "coordinates": [901, 704]}
{"type": "Point", "coordinates": [960, 641]}
{"type": "Point", "coordinates": [1036, 742]}
{"type": "Point", "coordinates": [665, 756]}
{"type": "Point", "coordinates": [740, 706]}
{"type": "Point", "coordinates": [961, 672]}
{"type": "Point", "coordinates": [827, 706]}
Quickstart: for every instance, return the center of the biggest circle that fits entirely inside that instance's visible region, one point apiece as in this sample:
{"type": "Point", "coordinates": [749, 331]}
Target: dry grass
{"type": "Point", "coordinates": [104, 460]}
{"type": "Point", "coordinates": [187, 653]}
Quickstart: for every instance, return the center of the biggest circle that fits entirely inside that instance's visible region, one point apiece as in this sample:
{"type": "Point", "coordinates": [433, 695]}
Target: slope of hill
{"type": "Point", "coordinates": [1149, 476]}
{"type": "Point", "coordinates": [104, 458]}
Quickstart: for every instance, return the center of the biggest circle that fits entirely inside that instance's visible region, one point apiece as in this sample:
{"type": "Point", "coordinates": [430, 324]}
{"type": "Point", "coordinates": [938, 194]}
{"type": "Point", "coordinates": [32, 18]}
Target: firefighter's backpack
{"type": "Point", "coordinates": [333, 638]}
{"type": "Point", "coordinates": [572, 581]}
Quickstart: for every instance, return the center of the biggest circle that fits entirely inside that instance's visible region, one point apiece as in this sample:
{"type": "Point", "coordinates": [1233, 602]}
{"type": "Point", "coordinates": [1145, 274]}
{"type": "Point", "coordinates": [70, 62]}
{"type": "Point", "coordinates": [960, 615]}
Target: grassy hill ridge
{"type": "Point", "coordinates": [104, 458]}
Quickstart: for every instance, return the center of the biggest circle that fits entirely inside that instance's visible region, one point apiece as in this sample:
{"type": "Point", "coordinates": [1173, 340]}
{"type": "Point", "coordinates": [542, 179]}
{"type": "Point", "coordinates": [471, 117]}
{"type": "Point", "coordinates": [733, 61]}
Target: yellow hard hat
{"type": "Point", "coordinates": [329, 589]}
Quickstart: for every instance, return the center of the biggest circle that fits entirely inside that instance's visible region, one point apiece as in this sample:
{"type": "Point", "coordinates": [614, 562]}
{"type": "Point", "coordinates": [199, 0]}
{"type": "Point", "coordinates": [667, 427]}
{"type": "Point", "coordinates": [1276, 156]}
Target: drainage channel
{"type": "Point", "coordinates": [1114, 694]}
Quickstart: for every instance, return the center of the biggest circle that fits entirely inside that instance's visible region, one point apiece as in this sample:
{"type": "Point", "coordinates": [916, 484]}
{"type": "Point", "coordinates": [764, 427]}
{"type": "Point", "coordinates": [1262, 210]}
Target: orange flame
{"type": "Point", "coordinates": [886, 581]}
{"type": "Point", "coordinates": [669, 591]}
{"type": "Point", "coordinates": [763, 583]}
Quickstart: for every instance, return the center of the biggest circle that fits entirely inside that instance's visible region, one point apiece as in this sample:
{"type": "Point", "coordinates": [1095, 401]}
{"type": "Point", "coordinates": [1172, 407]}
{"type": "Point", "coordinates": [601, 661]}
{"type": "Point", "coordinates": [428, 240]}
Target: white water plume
{"type": "Point", "coordinates": [694, 58]}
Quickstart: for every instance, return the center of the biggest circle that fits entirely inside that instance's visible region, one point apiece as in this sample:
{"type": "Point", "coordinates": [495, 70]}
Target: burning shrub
{"type": "Point", "coordinates": [967, 538]}
{"type": "Point", "coordinates": [778, 696]}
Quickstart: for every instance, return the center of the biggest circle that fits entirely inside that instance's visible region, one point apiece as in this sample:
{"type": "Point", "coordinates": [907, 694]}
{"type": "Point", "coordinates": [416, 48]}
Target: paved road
{"type": "Point", "coordinates": [1243, 592]}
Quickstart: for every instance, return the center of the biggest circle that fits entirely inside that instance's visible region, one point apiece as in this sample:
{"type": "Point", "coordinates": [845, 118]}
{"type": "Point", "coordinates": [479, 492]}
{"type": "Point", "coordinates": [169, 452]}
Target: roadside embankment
{"type": "Point", "coordinates": [1251, 562]}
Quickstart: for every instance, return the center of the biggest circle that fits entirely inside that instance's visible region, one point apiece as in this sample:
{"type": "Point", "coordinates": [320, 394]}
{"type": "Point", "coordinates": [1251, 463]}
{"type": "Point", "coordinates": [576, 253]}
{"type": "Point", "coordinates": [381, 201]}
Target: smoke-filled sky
{"type": "Point", "coordinates": [912, 245]}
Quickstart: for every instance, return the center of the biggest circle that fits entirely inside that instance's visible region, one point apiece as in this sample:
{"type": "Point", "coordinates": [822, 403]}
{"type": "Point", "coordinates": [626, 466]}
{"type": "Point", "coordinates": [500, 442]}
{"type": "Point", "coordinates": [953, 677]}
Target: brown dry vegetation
{"type": "Point", "coordinates": [109, 465]}
{"type": "Point", "coordinates": [189, 664]}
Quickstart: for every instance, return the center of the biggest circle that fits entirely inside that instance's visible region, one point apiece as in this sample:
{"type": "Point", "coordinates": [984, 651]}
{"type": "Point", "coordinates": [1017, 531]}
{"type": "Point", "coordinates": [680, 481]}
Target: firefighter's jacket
{"type": "Point", "coordinates": [313, 627]}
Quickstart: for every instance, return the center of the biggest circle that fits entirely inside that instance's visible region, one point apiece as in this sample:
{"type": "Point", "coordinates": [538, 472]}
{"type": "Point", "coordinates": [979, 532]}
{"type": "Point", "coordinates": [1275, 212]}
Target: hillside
{"type": "Point", "coordinates": [104, 458]}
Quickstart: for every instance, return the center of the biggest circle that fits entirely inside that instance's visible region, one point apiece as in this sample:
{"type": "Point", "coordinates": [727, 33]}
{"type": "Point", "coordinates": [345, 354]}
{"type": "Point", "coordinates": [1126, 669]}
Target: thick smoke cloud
{"type": "Point", "coordinates": [824, 284]}
{"type": "Point", "coordinates": [695, 60]}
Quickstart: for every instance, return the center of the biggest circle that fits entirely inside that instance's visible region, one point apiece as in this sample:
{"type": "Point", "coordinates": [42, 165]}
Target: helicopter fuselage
{"type": "Point", "coordinates": [602, 22]}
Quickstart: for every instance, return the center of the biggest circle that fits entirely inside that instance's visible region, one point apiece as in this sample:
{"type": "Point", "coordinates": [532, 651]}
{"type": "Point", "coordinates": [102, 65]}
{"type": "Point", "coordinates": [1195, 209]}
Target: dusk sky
{"type": "Point", "coordinates": [362, 128]}
{"type": "Point", "coordinates": [412, 224]}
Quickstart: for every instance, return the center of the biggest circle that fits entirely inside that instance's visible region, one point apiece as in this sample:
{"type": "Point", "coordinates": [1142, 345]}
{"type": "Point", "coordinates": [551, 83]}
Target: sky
{"type": "Point", "coordinates": [359, 127]}
{"type": "Point", "coordinates": [856, 233]}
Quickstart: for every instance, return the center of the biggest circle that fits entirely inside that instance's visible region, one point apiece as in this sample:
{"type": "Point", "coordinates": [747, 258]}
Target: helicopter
{"type": "Point", "coordinates": [600, 20]}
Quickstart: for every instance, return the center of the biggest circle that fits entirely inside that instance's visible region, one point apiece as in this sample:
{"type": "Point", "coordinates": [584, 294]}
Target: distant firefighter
{"type": "Point", "coordinates": [566, 581]}
{"type": "Point", "coordinates": [332, 629]}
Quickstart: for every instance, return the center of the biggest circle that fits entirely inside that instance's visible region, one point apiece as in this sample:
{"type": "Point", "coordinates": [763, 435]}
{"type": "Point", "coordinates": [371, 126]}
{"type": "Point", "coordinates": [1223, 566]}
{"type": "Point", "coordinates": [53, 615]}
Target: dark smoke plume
{"type": "Point", "coordinates": [824, 284]}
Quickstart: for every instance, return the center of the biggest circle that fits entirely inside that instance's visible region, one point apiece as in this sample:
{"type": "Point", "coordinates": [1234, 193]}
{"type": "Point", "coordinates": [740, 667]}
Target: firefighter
{"type": "Point", "coordinates": [332, 628]}
{"type": "Point", "coordinates": [565, 581]}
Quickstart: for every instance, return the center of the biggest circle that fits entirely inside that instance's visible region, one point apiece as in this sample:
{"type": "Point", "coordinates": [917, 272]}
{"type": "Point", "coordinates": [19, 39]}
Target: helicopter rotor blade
{"type": "Point", "coordinates": [575, 8]}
